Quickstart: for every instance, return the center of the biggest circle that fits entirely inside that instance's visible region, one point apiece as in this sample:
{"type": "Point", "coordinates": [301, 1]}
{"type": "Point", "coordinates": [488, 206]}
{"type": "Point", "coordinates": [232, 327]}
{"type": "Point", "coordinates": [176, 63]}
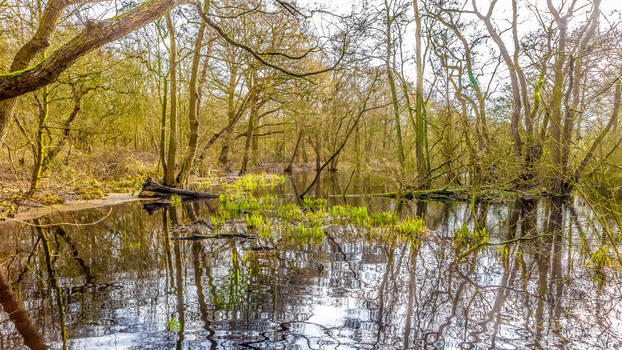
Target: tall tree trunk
{"type": "Point", "coordinates": [396, 111]}
{"type": "Point", "coordinates": [318, 153]}
{"type": "Point", "coordinates": [303, 148]}
{"type": "Point", "coordinates": [40, 148]}
{"type": "Point", "coordinates": [163, 128]}
{"type": "Point", "coordinates": [289, 166]}
{"type": "Point", "coordinates": [223, 159]}
{"type": "Point", "coordinates": [513, 72]}
{"type": "Point", "coordinates": [251, 123]}
{"type": "Point", "coordinates": [255, 144]}
{"type": "Point", "coordinates": [556, 103]}
{"type": "Point", "coordinates": [422, 166]}
{"type": "Point", "coordinates": [169, 175]}
{"type": "Point", "coordinates": [193, 104]}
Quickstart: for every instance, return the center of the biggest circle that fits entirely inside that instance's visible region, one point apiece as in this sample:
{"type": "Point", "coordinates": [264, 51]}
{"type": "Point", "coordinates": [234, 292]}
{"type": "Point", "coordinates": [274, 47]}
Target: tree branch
{"type": "Point", "coordinates": [96, 34]}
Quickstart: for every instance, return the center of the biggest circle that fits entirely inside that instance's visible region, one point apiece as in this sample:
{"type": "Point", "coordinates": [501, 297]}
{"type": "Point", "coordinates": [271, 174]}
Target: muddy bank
{"type": "Point", "coordinates": [29, 213]}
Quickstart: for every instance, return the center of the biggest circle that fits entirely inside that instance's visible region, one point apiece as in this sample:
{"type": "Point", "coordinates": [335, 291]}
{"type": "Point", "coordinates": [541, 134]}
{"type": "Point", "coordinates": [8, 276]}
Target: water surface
{"type": "Point", "coordinates": [122, 283]}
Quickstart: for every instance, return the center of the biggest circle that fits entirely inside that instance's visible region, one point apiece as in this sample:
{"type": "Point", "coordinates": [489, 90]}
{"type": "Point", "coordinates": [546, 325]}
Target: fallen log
{"type": "Point", "coordinates": [152, 189]}
{"type": "Point", "coordinates": [465, 194]}
{"type": "Point", "coordinates": [218, 235]}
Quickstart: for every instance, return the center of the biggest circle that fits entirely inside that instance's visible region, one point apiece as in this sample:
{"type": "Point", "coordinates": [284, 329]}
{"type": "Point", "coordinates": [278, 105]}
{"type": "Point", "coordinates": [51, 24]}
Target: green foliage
{"type": "Point", "coordinates": [238, 196]}
{"type": "Point", "coordinates": [290, 212]}
{"type": "Point", "coordinates": [342, 214]}
{"type": "Point", "coordinates": [251, 182]}
{"type": "Point", "coordinates": [384, 218]}
{"type": "Point", "coordinates": [357, 215]}
{"type": "Point", "coordinates": [466, 239]}
{"type": "Point", "coordinates": [303, 234]}
{"type": "Point", "coordinates": [235, 205]}
{"type": "Point", "coordinates": [599, 261]}
{"type": "Point", "coordinates": [316, 218]}
{"type": "Point", "coordinates": [411, 226]}
{"type": "Point", "coordinates": [261, 226]}
{"type": "Point", "coordinates": [175, 201]}
{"type": "Point", "coordinates": [174, 325]}
{"type": "Point", "coordinates": [217, 220]}
{"type": "Point", "coordinates": [338, 213]}
{"type": "Point", "coordinates": [128, 184]}
{"type": "Point", "coordinates": [267, 201]}
{"type": "Point", "coordinates": [254, 220]}
{"type": "Point", "coordinates": [315, 203]}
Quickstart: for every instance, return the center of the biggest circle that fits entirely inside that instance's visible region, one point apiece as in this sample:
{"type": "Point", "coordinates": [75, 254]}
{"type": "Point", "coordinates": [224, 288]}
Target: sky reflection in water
{"type": "Point", "coordinates": [122, 284]}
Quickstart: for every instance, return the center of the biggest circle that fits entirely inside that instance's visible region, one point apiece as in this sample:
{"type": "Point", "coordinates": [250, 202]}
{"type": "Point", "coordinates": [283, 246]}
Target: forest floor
{"type": "Point", "coordinates": [107, 178]}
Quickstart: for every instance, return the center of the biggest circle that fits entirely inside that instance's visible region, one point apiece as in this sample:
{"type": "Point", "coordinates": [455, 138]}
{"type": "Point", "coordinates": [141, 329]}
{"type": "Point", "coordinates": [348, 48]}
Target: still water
{"type": "Point", "coordinates": [126, 282]}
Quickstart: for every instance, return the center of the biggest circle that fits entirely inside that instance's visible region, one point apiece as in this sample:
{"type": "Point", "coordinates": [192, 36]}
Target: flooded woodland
{"type": "Point", "coordinates": [123, 277]}
{"type": "Point", "coordinates": [311, 174]}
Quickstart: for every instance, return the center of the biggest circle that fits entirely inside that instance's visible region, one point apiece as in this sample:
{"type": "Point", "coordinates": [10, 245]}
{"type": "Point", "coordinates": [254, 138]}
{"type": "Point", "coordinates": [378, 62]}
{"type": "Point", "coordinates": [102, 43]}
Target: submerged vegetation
{"type": "Point", "coordinates": [306, 222]}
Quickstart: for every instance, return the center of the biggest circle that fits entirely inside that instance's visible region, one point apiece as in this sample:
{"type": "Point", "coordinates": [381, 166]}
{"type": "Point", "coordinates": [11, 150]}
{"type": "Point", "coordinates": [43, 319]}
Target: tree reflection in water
{"type": "Point", "coordinates": [116, 284]}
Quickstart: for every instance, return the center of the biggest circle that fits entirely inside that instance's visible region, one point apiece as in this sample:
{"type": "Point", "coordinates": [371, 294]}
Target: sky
{"type": "Point", "coordinates": [501, 18]}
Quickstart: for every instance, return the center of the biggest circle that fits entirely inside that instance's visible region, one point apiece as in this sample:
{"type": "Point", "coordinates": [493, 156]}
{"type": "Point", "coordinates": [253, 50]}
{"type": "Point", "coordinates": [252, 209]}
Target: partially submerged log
{"type": "Point", "coordinates": [152, 189]}
{"type": "Point", "coordinates": [218, 235]}
{"type": "Point", "coordinates": [466, 195]}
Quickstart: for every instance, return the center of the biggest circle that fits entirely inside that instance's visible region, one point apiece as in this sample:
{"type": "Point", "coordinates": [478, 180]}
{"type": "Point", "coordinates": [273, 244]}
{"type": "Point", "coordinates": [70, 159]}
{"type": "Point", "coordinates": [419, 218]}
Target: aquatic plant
{"type": "Point", "coordinates": [217, 220]}
{"type": "Point", "coordinates": [290, 212]}
{"type": "Point", "coordinates": [466, 238]}
{"type": "Point", "coordinates": [173, 324]}
{"type": "Point", "coordinates": [337, 213]}
{"type": "Point", "coordinates": [254, 220]}
{"type": "Point", "coordinates": [411, 226]}
{"type": "Point", "coordinates": [303, 234]}
{"type": "Point", "coordinates": [251, 182]}
{"type": "Point", "coordinates": [261, 225]}
{"type": "Point", "coordinates": [312, 202]}
{"type": "Point", "coordinates": [384, 218]}
{"type": "Point", "coordinates": [411, 230]}
{"type": "Point", "coordinates": [316, 218]}
{"type": "Point", "coordinates": [357, 215]}
{"type": "Point", "coordinates": [267, 201]}
{"type": "Point", "coordinates": [175, 201]}
{"type": "Point", "coordinates": [250, 203]}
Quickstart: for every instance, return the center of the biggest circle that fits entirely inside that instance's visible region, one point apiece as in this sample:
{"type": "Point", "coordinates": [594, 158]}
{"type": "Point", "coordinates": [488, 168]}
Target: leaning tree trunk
{"type": "Point", "coordinates": [96, 33]}
{"type": "Point", "coordinates": [15, 311]}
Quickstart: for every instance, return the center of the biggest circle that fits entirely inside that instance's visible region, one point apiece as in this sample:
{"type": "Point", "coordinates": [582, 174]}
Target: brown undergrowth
{"type": "Point", "coordinates": [83, 176]}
